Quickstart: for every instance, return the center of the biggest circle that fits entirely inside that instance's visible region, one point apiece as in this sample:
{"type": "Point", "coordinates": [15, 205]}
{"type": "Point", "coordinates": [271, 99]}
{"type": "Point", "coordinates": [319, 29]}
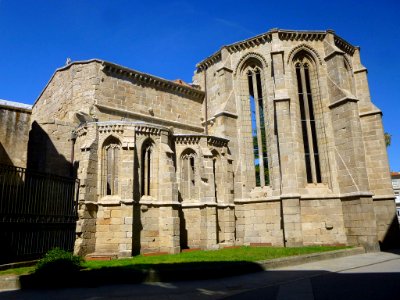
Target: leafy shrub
{"type": "Point", "coordinates": [58, 261]}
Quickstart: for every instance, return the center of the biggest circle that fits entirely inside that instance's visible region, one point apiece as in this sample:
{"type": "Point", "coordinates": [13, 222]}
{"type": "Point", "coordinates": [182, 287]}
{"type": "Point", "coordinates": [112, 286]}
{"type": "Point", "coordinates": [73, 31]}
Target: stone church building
{"type": "Point", "coordinates": [276, 142]}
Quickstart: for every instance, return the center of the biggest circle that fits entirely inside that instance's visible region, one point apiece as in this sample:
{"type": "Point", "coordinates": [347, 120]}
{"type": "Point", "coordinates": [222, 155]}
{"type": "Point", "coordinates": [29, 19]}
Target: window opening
{"type": "Point", "coordinates": [146, 169]}
{"type": "Point", "coordinates": [110, 168]}
{"type": "Point", "coordinates": [188, 171]}
{"type": "Point", "coordinates": [308, 126]}
{"type": "Point", "coordinates": [258, 127]}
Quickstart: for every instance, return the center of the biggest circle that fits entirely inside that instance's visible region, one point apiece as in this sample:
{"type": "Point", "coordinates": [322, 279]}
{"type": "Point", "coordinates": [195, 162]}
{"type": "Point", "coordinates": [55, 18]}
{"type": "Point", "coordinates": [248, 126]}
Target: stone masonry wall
{"type": "Point", "coordinates": [322, 222]}
{"type": "Point", "coordinates": [14, 133]}
{"type": "Point", "coordinates": [125, 98]}
{"type": "Point", "coordinates": [259, 223]}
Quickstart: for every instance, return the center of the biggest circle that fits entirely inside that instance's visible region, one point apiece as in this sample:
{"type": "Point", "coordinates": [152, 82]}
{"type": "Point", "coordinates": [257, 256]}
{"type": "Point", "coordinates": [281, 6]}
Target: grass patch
{"type": "Point", "coordinates": [18, 271]}
{"type": "Point", "coordinates": [242, 254]}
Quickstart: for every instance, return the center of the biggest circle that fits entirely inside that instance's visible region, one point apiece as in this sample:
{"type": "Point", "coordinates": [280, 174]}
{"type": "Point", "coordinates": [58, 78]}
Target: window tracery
{"type": "Point", "coordinates": [147, 149]}
{"type": "Point", "coordinates": [256, 99]}
{"type": "Point", "coordinates": [111, 153]}
{"type": "Point", "coordinates": [188, 174]}
{"type": "Point", "coordinates": [308, 124]}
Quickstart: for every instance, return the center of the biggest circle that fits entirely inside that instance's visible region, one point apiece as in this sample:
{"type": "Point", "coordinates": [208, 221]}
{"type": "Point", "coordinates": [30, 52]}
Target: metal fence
{"type": "Point", "coordinates": [37, 213]}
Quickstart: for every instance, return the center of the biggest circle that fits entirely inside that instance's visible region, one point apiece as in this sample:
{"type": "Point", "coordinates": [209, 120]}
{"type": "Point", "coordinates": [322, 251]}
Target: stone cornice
{"type": "Point", "coordinates": [150, 80]}
{"type": "Point", "coordinates": [303, 35]}
{"type": "Point", "coordinates": [217, 141]}
{"type": "Point", "coordinates": [195, 139]}
{"type": "Point", "coordinates": [209, 61]}
{"type": "Point", "coordinates": [284, 35]}
{"type": "Point", "coordinates": [150, 119]}
{"type": "Point", "coordinates": [191, 139]}
{"type": "Point", "coordinates": [110, 127]}
{"type": "Point", "coordinates": [249, 43]}
{"type": "Point", "coordinates": [344, 45]}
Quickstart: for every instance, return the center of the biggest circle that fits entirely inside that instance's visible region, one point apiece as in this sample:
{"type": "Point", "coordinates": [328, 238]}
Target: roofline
{"type": "Point", "coordinates": [283, 34]}
{"type": "Point", "coordinates": [131, 73]}
{"type": "Point", "coordinates": [153, 80]}
{"type": "Point", "coordinates": [79, 62]}
{"type": "Point", "coordinates": [16, 108]}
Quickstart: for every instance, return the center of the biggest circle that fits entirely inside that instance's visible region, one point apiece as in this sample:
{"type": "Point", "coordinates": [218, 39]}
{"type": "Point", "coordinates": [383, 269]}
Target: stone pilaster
{"type": "Point", "coordinates": [169, 229]}
{"type": "Point", "coordinates": [292, 222]}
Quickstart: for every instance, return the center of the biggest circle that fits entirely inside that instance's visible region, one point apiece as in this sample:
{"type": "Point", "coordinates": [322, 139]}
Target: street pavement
{"type": "Point", "coordinates": [365, 276]}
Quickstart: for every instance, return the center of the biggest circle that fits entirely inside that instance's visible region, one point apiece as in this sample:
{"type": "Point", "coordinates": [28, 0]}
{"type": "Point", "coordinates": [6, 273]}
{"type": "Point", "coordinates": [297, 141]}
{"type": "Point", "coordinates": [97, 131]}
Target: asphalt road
{"type": "Point", "coordinates": [364, 276]}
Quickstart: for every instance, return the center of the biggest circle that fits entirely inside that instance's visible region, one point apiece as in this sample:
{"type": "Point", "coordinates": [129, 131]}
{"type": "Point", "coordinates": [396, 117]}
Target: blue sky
{"type": "Point", "coordinates": [167, 39]}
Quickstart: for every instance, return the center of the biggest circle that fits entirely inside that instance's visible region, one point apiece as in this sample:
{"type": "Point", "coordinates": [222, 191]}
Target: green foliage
{"type": "Point", "coordinates": [58, 261]}
{"type": "Point", "coordinates": [388, 139]}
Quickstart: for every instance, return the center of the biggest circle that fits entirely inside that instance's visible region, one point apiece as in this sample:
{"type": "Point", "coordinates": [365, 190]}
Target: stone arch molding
{"type": "Point", "coordinates": [109, 137]}
{"type": "Point", "coordinates": [248, 56]}
{"type": "Point", "coordinates": [308, 49]}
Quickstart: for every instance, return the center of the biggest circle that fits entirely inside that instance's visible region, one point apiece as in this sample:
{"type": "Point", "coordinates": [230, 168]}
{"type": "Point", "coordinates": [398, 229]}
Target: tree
{"type": "Point", "coordinates": [388, 139]}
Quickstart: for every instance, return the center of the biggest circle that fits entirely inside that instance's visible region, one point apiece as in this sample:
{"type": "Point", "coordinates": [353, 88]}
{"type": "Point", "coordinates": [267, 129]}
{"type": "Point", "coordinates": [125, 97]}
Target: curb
{"type": "Point", "coordinates": [12, 282]}
{"type": "Point", "coordinates": [302, 259]}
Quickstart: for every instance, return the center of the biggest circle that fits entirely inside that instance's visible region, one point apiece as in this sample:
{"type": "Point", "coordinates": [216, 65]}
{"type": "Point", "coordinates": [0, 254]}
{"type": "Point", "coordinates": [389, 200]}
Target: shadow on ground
{"type": "Point", "coordinates": [138, 274]}
{"type": "Point", "coordinates": [316, 284]}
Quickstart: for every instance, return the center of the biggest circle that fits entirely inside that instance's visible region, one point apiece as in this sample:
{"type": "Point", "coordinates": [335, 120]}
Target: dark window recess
{"type": "Point", "coordinates": [308, 126]}
{"type": "Point", "coordinates": [146, 169]}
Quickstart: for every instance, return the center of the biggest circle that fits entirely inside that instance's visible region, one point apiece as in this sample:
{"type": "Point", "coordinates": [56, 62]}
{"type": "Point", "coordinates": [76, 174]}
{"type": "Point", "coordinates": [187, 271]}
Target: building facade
{"type": "Point", "coordinates": [276, 142]}
{"type": "Point", "coordinates": [396, 190]}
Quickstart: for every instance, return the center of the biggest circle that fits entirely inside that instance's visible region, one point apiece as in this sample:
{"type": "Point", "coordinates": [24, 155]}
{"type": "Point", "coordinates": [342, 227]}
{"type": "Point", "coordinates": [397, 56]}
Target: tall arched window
{"type": "Point", "coordinates": [146, 156]}
{"type": "Point", "coordinates": [256, 98]}
{"type": "Point", "coordinates": [188, 174]}
{"type": "Point", "coordinates": [308, 126]}
{"type": "Point", "coordinates": [111, 153]}
{"type": "Point", "coordinates": [218, 175]}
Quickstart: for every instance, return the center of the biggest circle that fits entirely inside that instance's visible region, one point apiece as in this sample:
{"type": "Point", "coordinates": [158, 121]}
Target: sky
{"type": "Point", "coordinates": [168, 38]}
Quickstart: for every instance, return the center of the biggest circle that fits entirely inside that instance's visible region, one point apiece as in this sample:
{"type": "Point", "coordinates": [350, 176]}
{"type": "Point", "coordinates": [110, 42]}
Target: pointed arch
{"type": "Point", "coordinates": [111, 149]}
{"type": "Point", "coordinates": [188, 172]}
{"type": "Point", "coordinates": [251, 57]}
{"type": "Point", "coordinates": [218, 176]}
{"type": "Point", "coordinates": [306, 74]}
{"type": "Point", "coordinates": [252, 74]}
{"type": "Point", "coordinates": [304, 50]}
{"type": "Point", "coordinates": [146, 164]}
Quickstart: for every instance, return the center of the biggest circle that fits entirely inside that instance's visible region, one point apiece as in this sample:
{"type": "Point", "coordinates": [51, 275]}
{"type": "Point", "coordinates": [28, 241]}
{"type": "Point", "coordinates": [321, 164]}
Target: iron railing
{"type": "Point", "coordinates": [37, 213]}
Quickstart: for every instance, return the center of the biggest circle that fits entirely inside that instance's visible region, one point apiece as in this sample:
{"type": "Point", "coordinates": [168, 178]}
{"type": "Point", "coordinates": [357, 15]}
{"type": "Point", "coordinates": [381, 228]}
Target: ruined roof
{"type": "Point", "coordinates": [297, 35]}
{"type": "Point", "coordinates": [145, 78]}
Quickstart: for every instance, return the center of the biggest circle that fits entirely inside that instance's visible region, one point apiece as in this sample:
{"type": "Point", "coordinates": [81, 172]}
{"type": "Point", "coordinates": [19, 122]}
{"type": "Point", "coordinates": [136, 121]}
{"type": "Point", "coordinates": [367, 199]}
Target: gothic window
{"type": "Point", "coordinates": [188, 174]}
{"type": "Point", "coordinates": [146, 156]}
{"type": "Point", "coordinates": [254, 80]}
{"type": "Point", "coordinates": [308, 126]}
{"type": "Point", "coordinates": [218, 176]}
{"type": "Point", "coordinates": [111, 153]}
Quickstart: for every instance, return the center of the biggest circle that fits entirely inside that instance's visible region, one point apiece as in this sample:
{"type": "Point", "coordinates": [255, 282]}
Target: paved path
{"type": "Point", "coordinates": [364, 276]}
